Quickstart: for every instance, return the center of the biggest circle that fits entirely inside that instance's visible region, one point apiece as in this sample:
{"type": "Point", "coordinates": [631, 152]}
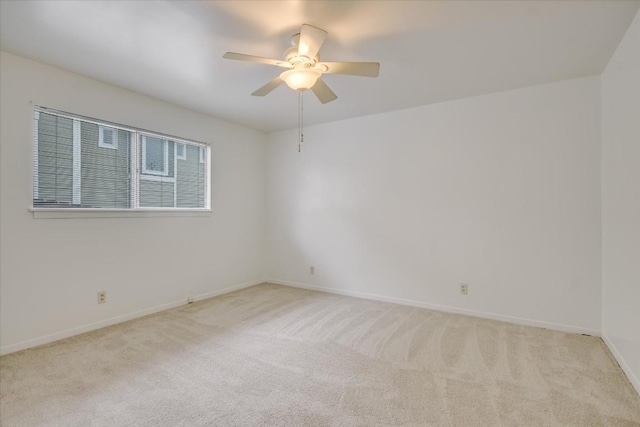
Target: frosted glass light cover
{"type": "Point", "coordinates": [300, 79]}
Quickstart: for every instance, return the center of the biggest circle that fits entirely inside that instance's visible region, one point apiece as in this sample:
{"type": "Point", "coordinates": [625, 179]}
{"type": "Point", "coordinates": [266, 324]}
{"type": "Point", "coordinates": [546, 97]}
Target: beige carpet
{"type": "Point", "coordinates": [273, 355]}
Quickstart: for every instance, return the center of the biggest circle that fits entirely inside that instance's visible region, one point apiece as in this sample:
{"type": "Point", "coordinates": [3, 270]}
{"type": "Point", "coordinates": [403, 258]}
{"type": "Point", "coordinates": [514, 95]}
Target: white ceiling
{"type": "Point", "coordinates": [429, 51]}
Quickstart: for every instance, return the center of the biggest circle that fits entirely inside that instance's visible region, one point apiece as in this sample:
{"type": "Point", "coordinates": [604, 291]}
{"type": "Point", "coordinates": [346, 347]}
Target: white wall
{"type": "Point", "coordinates": [499, 191]}
{"type": "Point", "coordinates": [51, 269]}
{"type": "Point", "coordinates": [621, 203]}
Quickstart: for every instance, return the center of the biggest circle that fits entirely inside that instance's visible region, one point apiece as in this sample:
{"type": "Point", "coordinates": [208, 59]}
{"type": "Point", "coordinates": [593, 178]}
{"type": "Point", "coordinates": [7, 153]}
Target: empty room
{"type": "Point", "coordinates": [319, 213]}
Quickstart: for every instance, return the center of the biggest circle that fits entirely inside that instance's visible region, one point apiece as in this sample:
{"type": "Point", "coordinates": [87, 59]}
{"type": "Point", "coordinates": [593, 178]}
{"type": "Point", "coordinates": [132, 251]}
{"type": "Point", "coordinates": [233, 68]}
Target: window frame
{"type": "Point", "coordinates": [43, 212]}
{"type": "Point", "coordinates": [114, 133]}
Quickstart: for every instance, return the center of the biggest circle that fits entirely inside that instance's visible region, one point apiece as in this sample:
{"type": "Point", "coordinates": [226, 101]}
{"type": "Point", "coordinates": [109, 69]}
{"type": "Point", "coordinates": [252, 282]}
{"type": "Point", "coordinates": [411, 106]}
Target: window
{"type": "Point", "coordinates": [155, 155]}
{"type": "Point", "coordinates": [138, 169]}
{"type": "Point", "coordinates": [108, 138]}
{"type": "Point", "coordinates": [181, 152]}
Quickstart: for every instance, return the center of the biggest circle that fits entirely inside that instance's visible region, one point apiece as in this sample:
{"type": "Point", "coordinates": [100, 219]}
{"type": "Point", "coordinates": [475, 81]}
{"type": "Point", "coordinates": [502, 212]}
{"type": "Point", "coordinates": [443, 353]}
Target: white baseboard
{"type": "Point", "coordinates": [445, 308]}
{"type": "Point", "coordinates": [46, 339]}
{"type": "Point", "coordinates": [622, 362]}
{"type": "Point", "coordinates": [225, 290]}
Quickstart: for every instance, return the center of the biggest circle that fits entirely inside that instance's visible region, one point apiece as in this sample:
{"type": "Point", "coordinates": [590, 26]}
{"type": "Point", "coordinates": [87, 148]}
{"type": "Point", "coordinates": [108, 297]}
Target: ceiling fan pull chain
{"type": "Point", "coordinates": [299, 127]}
{"type": "Point", "coordinates": [300, 111]}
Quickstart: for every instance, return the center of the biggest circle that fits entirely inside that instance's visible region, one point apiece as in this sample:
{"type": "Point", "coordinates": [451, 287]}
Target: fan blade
{"type": "Point", "coordinates": [311, 38]}
{"type": "Point", "coordinates": [323, 92]}
{"type": "Point", "coordinates": [259, 59]}
{"type": "Point", "coordinates": [365, 69]}
{"type": "Point", "coordinates": [268, 87]}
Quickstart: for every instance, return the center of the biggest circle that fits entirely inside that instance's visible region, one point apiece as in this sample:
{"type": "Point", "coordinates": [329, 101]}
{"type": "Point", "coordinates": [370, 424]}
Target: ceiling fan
{"type": "Point", "coordinates": [304, 69]}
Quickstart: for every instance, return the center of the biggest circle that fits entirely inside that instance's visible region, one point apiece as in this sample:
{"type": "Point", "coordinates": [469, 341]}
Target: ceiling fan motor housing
{"type": "Point", "coordinates": [292, 57]}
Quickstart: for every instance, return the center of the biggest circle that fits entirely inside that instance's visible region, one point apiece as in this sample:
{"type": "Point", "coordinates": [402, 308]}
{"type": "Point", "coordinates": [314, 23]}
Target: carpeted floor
{"type": "Point", "coordinates": [279, 356]}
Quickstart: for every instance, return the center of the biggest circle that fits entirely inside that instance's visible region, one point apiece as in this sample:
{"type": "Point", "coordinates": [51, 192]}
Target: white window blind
{"type": "Point", "coordinates": [82, 163]}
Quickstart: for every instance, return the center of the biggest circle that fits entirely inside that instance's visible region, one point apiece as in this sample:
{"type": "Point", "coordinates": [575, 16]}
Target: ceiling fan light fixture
{"type": "Point", "coordinates": [305, 69]}
{"type": "Point", "coordinates": [301, 78]}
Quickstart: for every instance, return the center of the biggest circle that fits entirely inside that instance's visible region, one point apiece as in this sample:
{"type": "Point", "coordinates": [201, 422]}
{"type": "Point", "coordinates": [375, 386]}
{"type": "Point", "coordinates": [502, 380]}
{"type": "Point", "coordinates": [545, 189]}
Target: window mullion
{"type": "Point", "coordinates": [135, 170]}
{"type": "Point", "coordinates": [175, 174]}
{"type": "Point", "coordinates": [207, 180]}
{"type": "Point", "coordinates": [36, 156]}
{"type": "Point", "coordinates": [77, 164]}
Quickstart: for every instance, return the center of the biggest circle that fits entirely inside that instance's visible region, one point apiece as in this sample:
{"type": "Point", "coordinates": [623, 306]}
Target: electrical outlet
{"type": "Point", "coordinates": [102, 297]}
{"type": "Point", "coordinates": [312, 270]}
{"type": "Point", "coordinates": [464, 288]}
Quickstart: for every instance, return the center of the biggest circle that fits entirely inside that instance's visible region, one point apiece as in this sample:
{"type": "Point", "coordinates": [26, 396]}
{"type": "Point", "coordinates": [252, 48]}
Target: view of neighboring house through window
{"type": "Point", "coordinates": [85, 163]}
{"type": "Point", "coordinates": [155, 155]}
{"type": "Point", "coordinates": [108, 137]}
{"type": "Point", "coordinates": [180, 152]}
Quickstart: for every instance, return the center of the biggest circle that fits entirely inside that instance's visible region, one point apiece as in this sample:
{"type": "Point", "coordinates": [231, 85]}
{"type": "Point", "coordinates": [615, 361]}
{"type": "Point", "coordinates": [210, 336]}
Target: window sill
{"type": "Point", "coordinates": [59, 213]}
